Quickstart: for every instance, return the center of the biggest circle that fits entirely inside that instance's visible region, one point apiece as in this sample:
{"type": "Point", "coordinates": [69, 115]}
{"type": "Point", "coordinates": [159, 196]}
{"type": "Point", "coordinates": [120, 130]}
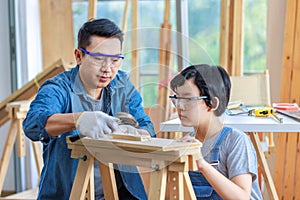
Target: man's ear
{"type": "Point", "coordinates": [78, 56]}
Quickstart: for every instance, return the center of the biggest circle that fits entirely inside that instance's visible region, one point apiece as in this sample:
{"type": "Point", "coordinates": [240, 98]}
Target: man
{"type": "Point", "coordinates": [83, 101]}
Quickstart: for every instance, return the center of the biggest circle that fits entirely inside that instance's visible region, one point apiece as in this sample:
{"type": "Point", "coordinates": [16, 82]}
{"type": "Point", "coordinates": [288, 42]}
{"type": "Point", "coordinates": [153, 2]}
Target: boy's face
{"type": "Point", "coordinates": [97, 72]}
{"type": "Point", "coordinates": [191, 113]}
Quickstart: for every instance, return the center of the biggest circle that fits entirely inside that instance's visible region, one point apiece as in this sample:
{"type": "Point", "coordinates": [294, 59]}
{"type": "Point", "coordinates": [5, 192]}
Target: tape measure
{"type": "Point", "coordinates": [262, 112]}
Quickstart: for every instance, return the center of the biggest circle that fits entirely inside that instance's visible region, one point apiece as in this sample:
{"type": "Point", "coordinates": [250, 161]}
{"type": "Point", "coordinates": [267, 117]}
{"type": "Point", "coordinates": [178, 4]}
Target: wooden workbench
{"type": "Point", "coordinates": [163, 157]}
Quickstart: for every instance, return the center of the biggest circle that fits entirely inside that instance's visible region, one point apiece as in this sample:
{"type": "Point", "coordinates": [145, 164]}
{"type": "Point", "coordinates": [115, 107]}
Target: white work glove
{"type": "Point", "coordinates": [96, 124]}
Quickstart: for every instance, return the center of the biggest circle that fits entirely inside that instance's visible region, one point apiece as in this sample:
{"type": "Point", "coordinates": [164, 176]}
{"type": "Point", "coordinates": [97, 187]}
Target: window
{"type": "Point", "coordinates": [203, 35]}
{"type": "Point", "coordinates": [204, 32]}
{"type": "Point", "coordinates": [149, 30]}
{"type": "Point", "coordinates": [255, 28]}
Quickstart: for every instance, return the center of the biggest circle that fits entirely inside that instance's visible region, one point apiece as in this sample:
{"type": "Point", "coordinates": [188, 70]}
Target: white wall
{"type": "Point", "coordinates": [5, 82]}
{"type": "Point", "coordinates": [275, 37]}
{"type": "Point", "coordinates": [29, 62]}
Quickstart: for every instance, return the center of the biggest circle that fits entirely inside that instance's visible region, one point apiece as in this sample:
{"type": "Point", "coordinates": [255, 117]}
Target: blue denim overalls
{"type": "Point", "coordinates": [203, 190]}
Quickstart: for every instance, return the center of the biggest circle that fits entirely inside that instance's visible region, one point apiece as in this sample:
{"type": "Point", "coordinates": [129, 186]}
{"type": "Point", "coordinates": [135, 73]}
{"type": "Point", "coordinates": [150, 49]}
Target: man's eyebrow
{"type": "Point", "coordinates": [117, 54]}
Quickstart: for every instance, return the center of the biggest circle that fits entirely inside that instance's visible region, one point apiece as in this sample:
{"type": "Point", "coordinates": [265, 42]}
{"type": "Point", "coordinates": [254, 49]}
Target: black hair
{"type": "Point", "coordinates": [212, 81]}
{"type": "Point", "coordinates": [100, 27]}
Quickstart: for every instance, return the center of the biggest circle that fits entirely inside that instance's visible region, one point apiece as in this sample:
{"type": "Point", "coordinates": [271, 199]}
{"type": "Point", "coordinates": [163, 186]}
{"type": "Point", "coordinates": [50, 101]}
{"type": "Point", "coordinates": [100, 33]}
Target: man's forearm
{"type": "Point", "coordinates": [61, 123]}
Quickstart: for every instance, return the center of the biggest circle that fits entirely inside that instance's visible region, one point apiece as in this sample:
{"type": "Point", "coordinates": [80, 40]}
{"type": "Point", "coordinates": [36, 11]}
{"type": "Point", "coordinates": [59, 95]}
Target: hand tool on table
{"type": "Point", "coordinates": [260, 112]}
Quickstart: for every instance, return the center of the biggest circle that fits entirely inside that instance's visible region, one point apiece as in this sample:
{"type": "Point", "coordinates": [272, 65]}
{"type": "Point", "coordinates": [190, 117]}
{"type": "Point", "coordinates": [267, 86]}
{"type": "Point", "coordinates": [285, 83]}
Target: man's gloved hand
{"type": "Point", "coordinates": [96, 124]}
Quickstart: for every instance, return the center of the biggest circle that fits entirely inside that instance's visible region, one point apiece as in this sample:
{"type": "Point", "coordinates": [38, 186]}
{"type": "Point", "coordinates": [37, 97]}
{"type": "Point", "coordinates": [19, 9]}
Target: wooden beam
{"type": "Point", "coordinates": [28, 91]}
{"type": "Point", "coordinates": [134, 74]}
{"type": "Point", "coordinates": [92, 9]}
{"type": "Point", "coordinates": [224, 34]}
{"type": "Point", "coordinates": [165, 64]}
{"type": "Point", "coordinates": [231, 37]}
{"type": "Point", "coordinates": [125, 16]}
{"type": "Point", "coordinates": [237, 41]}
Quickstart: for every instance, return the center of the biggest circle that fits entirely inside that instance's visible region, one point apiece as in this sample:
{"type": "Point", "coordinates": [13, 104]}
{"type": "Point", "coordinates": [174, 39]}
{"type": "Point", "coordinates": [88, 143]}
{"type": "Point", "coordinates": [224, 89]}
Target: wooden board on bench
{"type": "Point", "coordinates": [26, 195]}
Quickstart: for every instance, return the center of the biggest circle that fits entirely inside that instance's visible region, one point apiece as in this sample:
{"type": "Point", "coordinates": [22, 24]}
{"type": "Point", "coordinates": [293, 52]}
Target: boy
{"type": "Point", "coordinates": [227, 165]}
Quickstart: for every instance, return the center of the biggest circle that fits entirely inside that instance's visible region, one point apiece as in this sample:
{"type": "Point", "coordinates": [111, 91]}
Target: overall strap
{"type": "Point", "coordinates": [216, 149]}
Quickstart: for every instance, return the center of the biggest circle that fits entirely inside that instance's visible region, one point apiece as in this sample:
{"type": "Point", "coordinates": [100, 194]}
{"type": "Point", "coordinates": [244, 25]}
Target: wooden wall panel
{"type": "Point", "coordinates": [57, 31]}
{"type": "Point", "coordinates": [287, 173]}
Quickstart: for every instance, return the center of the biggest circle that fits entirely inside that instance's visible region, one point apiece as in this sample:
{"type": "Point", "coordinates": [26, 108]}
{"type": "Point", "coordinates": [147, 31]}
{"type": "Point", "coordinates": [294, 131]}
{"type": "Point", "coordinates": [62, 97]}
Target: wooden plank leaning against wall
{"type": "Point", "coordinates": [57, 31]}
{"type": "Point", "coordinates": [287, 174]}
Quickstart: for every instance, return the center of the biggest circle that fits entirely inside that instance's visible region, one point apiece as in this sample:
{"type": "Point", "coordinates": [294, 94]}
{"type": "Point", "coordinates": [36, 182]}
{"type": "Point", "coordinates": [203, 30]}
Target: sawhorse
{"type": "Point", "coordinates": [17, 112]}
{"type": "Point", "coordinates": [162, 157]}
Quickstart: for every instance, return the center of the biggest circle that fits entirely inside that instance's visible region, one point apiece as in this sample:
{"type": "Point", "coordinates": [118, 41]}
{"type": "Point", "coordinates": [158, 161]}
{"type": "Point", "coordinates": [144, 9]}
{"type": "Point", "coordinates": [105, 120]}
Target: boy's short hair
{"type": "Point", "coordinates": [212, 81]}
{"type": "Point", "coordinates": [100, 27]}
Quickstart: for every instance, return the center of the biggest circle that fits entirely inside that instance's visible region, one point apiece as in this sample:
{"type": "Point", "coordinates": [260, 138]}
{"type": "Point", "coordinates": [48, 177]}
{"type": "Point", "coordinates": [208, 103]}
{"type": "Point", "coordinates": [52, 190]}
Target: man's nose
{"type": "Point", "coordinates": [107, 63]}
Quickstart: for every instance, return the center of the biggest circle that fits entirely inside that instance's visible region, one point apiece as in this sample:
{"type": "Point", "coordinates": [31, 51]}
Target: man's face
{"type": "Point", "coordinates": [98, 71]}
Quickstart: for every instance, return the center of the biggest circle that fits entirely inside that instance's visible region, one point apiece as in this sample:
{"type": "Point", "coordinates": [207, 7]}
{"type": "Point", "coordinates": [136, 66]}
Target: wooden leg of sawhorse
{"type": "Point", "coordinates": [108, 181]}
{"type": "Point", "coordinates": [8, 148]}
{"type": "Point", "coordinates": [179, 182]}
{"type": "Point", "coordinates": [84, 179]}
{"type": "Point", "coordinates": [158, 181]}
{"type": "Point", "coordinates": [264, 166]}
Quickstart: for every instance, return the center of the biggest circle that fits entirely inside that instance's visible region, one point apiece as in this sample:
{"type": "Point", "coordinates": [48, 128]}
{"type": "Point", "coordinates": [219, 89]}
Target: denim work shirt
{"type": "Point", "coordinates": [65, 93]}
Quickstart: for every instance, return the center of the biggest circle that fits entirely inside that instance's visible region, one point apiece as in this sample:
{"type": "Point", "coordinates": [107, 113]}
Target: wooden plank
{"type": "Point", "coordinates": [166, 70]}
{"type": "Point", "coordinates": [297, 174]}
{"type": "Point", "coordinates": [279, 170]}
{"type": "Point", "coordinates": [92, 10]}
{"type": "Point", "coordinates": [57, 31]}
{"type": "Point", "coordinates": [125, 17]}
{"type": "Point", "coordinates": [230, 39]}
{"type": "Point", "coordinates": [158, 180]}
{"type": "Point", "coordinates": [90, 192]}
{"type": "Point", "coordinates": [108, 181]}
{"type": "Point", "coordinates": [82, 177]}
{"type": "Point", "coordinates": [135, 64]}
{"type": "Point", "coordinates": [38, 153]}
{"type": "Point", "coordinates": [288, 50]}
{"type": "Point", "coordinates": [264, 166]}
{"type": "Point", "coordinates": [295, 92]}
{"type": "Point", "coordinates": [156, 144]}
{"type": "Point", "coordinates": [175, 184]}
{"type": "Point", "coordinates": [224, 33]}
{"type": "Point", "coordinates": [28, 91]}
{"type": "Point", "coordinates": [289, 177]}
{"type": "Point", "coordinates": [8, 147]}
{"type": "Point", "coordinates": [288, 56]}
{"type": "Point", "coordinates": [237, 47]}
{"type": "Point", "coordinates": [122, 136]}
{"type": "Point", "coordinates": [21, 139]}
{"type": "Point", "coordinates": [189, 193]}
{"type": "Point", "coordinates": [26, 195]}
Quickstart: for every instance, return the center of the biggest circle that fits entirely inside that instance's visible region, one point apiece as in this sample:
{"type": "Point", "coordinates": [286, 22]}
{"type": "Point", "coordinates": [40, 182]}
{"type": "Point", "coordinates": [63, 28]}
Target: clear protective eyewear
{"type": "Point", "coordinates": [99, 59]}
{"type": "Point", "coordinates": [184, 100]}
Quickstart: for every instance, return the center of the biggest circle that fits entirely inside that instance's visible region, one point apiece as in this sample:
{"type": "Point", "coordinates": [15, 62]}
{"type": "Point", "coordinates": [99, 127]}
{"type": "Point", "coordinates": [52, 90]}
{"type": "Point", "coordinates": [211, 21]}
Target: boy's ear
{"type": "Point", "coordinates": [215, 103]}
